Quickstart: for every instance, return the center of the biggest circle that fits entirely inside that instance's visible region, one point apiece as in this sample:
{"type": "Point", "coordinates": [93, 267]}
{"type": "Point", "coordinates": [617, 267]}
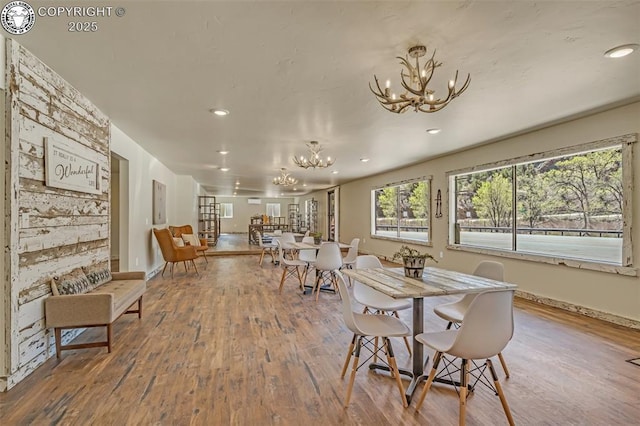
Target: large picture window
{"type": "Point", "coordinates": [226, 210]}
{"type": "Point", "coordinates": [564, 206]}
{"type": "Point", "coordinates": [402, 211]}
{"type": "Point", "coordinates": [273, 209]}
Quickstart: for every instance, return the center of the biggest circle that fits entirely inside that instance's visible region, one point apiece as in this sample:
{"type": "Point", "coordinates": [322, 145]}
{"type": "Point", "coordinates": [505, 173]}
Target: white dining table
{"type": "Point", "coordinates": [434, 282]}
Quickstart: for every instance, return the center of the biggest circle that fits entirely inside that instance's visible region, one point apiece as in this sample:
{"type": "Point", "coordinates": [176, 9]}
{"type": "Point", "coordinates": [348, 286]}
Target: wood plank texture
{"type": "Point", "coordinates": [48, 230]}
{"type": "Point", "coordinates": [225, 348]}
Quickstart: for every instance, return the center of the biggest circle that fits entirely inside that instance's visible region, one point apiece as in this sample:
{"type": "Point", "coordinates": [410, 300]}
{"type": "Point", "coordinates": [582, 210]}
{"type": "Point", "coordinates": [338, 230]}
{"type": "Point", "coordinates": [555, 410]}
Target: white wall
{"type": "Point", "coordinates": [144, 253]}
{"type": "Point", "coordinates": [187, 202]}
{"type": "Point", "coordinates": [605, 292]}
{"type": "Point", "coordinates": [242, 212]}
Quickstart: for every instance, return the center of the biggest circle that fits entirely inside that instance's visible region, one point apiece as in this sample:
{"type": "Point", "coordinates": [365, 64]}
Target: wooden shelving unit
{"type": "Point", "coordinates": [208, 219]}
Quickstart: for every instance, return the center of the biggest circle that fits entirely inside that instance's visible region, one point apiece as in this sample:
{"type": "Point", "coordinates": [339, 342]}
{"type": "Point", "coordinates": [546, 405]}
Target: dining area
{"type": "Point", "coordinates": [249, 354]}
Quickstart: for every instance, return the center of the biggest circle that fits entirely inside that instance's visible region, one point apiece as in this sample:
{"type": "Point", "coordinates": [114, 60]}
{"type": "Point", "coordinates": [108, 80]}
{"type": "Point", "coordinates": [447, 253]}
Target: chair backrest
{"type": "Point", "coordinates": [367, 261]}
{"type": "Point", "coordinates": [347, 310]}
{"type": "Point", "coordinates": [490, 269]}
{"type": "Point", "coordinates": [277, 232]}
{"type": "Point", "coordinates": [166, 243]}
{"type": "Point", "coordinates": [487, 326]}
{"type": "Point", "coordinates": [288, 237]}
{"type": "Point", "coordinates": [307, 255]}
{"type": "Point", "coordinates": [361, 291]}
{"type": "Point", "coordinates": [353, 250]}
{"type": "Point", "coordinates": [177, 231]}
{"type": "Point", "coordinates": [257, 235]}
{"type": "Point", "coordinates": [485, 269]}
{"type": "Point", "coordinates": [329, 257]}
{"type": "Point", "coordinates": [306, 234]}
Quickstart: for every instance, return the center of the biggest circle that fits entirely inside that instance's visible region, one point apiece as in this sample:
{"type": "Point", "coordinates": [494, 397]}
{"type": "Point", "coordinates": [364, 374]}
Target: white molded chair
{"type": "Point", "coordinates": [350, 259]}
{"type": "Point", "coordinates": [486, 330]}
{"type": "Point", "coordinates": [267, 248]}
{"type": "Point", "coordinates": [289, 267]}
{"type": "Point", "coordinates": [364, 326]}
{"type": "Point", "coordinates": [375, 302]}
{"type": "Point", "coordinates": [307, 256]}
{"type": "Point", "coordinates": [328, 261]}
{"type": "Point", "coordinates": [454, 312]}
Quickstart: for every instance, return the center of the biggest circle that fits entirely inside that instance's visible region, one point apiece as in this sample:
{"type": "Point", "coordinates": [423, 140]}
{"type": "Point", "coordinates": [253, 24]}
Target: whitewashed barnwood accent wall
{"type": "Point", "coordinates": [48, 231]}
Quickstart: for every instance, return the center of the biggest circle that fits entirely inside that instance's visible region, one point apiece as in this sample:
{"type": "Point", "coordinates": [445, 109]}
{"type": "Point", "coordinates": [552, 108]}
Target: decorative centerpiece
{"type": "Point", "coordinates": [413, 261]}
{"type": "Point", "coordinates": [317, 237]}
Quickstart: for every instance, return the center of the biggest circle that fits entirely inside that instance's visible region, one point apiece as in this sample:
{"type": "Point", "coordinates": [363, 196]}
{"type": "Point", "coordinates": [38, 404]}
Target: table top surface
{"type": "Point", "coordinates": [435, 282]}
{"type": "Point", "coordinates": [306, 246]}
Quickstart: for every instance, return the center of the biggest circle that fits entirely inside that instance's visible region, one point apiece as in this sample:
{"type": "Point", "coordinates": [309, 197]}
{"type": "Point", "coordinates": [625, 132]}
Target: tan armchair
{"type": "Point", "coordinates": [172, 253]}
{"type": "Point", "coordinates": [177, 231]}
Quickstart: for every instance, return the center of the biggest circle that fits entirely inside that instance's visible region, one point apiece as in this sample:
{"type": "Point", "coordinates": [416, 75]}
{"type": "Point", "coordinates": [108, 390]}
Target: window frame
{"type": "Point", "coordinates": [268, 205]}
{"type": "Point", "coordinates": [626, 267]}
{"type": "Point", "coordinates": [398, 238]}
{"type": "Point", "coordinates": [223, 210]}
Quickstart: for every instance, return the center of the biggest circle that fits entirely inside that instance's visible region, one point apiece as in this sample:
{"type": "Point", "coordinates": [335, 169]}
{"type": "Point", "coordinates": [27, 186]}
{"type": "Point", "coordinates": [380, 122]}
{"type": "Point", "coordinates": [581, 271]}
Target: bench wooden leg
{"type": "Point", "coordinates": [58, 336]}
{"type": "Point", "coordinates": [109, 337]}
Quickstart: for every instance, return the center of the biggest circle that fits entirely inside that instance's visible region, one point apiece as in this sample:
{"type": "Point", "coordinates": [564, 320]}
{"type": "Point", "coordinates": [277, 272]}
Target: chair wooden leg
{"type": "Point", "coordinates": [394, 367]}
{"type": "Point", "coordinates": [503, 400]}
{"type": "Point", "coordinates": [464, 381]}
{"type": "Point", "coordinates": [185, 266]}
{"type": "Point", "coordinates": [261, 257]}
{"type": "Point", "coordinates": [504, 364]}
{"type": "Point", "coordinates": [354, 368]}
{"type": "Point", "coordinates": [58, 335]}
{"type": "Point", "coordinates": [195, 267]}
{"type": "Point", "coordinates": [375, 349]}
{"type": "Point", "coordinates": [317, 286]}
{"type": "Point", "coordinates": [172, 265]}
{"type": "Point", "coordinates": [140, 307]}
{"type": "Point", "coordinates": [406, 340]}
{"type": "Point", "coordinates": [165, 267]}
{"type": "Point", "coordinates": [349, 353]}
{"type": "Point", "coordinates": [284, 273]}
{"type": "Point", "coordinates": [436, 361]}
{"type": "Point", "coordinates": [299, 278]}
{"type": "Point", "coordinates": [205, 257]}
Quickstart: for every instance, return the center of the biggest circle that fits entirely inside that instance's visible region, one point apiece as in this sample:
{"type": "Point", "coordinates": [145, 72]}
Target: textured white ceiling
{"type": "Point", "coordinates": [295, 71]}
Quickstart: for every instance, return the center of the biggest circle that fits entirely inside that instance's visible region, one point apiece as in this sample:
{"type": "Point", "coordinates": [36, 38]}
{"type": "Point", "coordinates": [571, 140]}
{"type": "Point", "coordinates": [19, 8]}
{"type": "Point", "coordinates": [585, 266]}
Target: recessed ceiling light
{"type": "Point", "coordinates": [224, 169]}
{"type": "Point", "coordinates": [620, 51]}
{"type": "Point", "coordinates": [223, 152]}
{"type": "Point", "coordinates": [304, 184]}
{"type": "Point", "coordinates": [237, 182]}
{"type": "Point", "coordinates": [364, 160]}
{"type": "Point", "coordinates": [219, 112]}
{"type": "Point", "coordinates": [433, 131]}
{"type": "Point", "coordinates": [295, 189]}
{"type": "Point", "coordinates": [335, 172]}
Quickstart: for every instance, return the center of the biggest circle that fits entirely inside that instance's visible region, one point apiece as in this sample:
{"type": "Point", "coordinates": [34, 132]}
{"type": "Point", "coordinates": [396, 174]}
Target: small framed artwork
{"type": "Point", "coordinates": [159, 203]}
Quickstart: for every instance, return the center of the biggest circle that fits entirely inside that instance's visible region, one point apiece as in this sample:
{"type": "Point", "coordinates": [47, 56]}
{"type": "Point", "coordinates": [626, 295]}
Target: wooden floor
{"type": "Point", "coordinates": [226, 348]}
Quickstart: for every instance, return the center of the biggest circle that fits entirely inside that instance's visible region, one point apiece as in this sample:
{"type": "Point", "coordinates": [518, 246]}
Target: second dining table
{"type": "Point", "coordinates": [434, 282]}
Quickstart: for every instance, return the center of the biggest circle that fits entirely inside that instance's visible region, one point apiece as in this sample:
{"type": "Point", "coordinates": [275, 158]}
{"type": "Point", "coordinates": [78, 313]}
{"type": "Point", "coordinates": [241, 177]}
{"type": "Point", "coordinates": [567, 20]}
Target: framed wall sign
{"type": "Point", "coordinates": [72, 166]}
{"type": "Point", "coordinates": [159, 203]}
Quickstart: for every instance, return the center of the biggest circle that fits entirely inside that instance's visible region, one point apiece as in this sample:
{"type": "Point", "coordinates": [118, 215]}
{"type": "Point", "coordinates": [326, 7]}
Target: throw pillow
{"type": "Point", "coordinates": [191, 239]}
{"type": "Point", "coordinates": [179, 241]}
{"type": "Point", "coordinates": [75, 282]}
{"type": "Point", "coordinates": [97, 274]}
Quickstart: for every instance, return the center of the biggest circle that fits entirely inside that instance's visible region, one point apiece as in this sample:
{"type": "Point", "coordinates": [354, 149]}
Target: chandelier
{"type": "Point", "coordinates": [285, 179]}
{"type": "Point", "coordinates": [415, 80]}
{"type": "Point", "coordinates": [314, 160]}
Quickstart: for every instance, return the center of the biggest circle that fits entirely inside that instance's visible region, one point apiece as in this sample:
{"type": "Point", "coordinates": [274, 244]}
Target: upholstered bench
{"type": "Point", "coordinates": [92, 297]}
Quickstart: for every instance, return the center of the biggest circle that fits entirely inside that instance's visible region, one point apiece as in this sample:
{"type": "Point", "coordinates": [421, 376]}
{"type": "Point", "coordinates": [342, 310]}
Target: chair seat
{"type": "Point", "coordinates": [441, 341]}
{"type": "Point", "coordinates": [381, 302]}
{"type": "Point", "coordinates": [381, 325]}
{"type": "Point", "coordinates": [452, 312]}
{"type": "Point", "coordinates": [294, 262]}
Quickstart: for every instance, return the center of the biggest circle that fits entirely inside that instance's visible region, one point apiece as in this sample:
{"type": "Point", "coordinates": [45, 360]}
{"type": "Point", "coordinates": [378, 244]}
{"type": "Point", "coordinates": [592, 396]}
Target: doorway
{"type": "Point", "coordinates": [333, 215]}
{"type": "Point", "coordinates": [119, 214]}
